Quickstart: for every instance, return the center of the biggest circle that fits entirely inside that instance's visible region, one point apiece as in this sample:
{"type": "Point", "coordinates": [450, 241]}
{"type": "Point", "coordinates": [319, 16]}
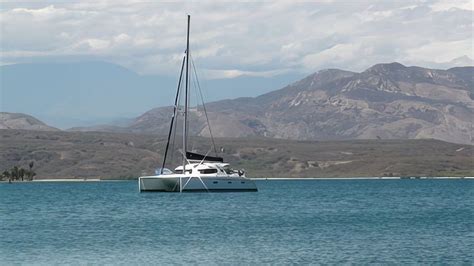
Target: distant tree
{"type": "Point", "coordinates": [30, 173]}
{"type": "Point", "coordinates": [21, 173]}
{"type": "Point", "coordinates": [14, 172]}
{"type": "Point", "coordinates": [5, 175]}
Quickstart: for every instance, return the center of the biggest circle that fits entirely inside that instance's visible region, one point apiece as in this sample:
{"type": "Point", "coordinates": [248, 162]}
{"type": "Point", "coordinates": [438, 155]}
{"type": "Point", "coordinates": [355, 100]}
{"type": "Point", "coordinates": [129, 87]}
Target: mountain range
{"type": "Point", "coordinates": [67, 94]}
{"type": "Point", "coordinates": [386, 101]}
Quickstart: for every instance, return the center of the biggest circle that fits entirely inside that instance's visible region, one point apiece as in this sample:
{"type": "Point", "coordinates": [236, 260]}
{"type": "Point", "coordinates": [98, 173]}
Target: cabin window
{"type": "Point", "coordinates": [215, 182]}
{"type": "Point", "coordinates": [208, 171]}
{"type": "Point", "coordinates": [242, 182]}
{"type": "Point", "coordinates": [230, 182]}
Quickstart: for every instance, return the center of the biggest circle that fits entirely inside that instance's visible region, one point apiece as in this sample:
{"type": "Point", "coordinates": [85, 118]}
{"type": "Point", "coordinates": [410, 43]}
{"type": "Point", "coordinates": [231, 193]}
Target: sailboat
{"type": "Point", "coordinates": [198, 172]}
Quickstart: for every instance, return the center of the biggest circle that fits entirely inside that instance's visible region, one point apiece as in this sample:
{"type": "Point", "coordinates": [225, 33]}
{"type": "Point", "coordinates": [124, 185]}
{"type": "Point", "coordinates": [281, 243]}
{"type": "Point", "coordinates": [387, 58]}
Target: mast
{"type": "Point", "coordinates": [186, 100]}
{"type": "Point", "coordinates": [175, 110]}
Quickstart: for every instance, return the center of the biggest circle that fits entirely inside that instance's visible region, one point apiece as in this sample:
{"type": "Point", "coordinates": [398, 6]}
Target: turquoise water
{"type": "Point", "coordinates": [333, 221]}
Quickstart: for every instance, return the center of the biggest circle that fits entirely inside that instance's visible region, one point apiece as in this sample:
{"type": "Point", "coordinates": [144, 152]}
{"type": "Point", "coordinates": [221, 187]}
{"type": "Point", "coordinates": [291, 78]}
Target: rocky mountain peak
{"type": "Point", "coordinates": [322, 77]}
{"type": "Point", "coordinates": [387, 101]}
{"type": "Point", "coordinates": [387, 68]}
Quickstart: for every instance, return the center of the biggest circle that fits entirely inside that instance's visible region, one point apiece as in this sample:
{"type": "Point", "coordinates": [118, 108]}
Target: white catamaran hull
{"type": "Point", "coordinates": [195, 184]}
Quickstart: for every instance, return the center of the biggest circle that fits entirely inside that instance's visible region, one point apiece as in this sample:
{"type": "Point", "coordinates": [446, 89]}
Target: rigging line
{"type": "Point", "coordinates": [192, 82]}
{"type": "Point", "coordinates": [203, 158]}
{"type": "Point", "coordinates": [174, 140]}
{"type": "Point", "coordinates": [204, 106]}
{"type": "Point", "coordinates": [175, 108]}
{"type": "Point", "coordinates": [197, 104]}
{"type": "Point", "coordinates": [200, 179]}
{"type": "Point", "coordinates": [174, 134]}
{"type": "Point", "coordinates": [176, 123]}
{"type": "Point", "coordinates": [174, 128]}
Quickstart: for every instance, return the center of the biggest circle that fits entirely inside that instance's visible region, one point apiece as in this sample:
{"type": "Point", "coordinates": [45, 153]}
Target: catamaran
{"type": "Point", "coordinates": [197, 172]}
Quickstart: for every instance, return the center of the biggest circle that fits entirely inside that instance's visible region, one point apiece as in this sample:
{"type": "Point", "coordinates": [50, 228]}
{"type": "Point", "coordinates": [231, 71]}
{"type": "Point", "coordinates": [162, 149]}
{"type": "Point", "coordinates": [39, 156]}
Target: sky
{"type": "Point", "coordinates": [231, 39]}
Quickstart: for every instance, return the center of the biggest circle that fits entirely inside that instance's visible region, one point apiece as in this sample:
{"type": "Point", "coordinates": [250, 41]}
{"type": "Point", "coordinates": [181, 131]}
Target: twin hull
{"type": "Point", "coordinates": [171, 183]}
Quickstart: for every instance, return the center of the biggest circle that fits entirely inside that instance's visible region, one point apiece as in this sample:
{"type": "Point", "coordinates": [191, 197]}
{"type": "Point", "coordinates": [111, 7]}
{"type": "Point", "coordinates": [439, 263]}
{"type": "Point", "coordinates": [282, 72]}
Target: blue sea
{"type": "Point", "coordinates": [286, 222]}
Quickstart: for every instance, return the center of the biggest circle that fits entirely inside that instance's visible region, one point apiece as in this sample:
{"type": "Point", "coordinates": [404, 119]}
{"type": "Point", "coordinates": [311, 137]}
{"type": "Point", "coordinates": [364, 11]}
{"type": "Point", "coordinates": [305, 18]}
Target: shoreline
{"type": "Point", "coordinates": [58, 180]}
{"type": "Point", "coordinates": [259, 179]}
{"type": "Point", "coordinates": [68, 180]}
{"type": "Point", "coordinates": [364, 178]}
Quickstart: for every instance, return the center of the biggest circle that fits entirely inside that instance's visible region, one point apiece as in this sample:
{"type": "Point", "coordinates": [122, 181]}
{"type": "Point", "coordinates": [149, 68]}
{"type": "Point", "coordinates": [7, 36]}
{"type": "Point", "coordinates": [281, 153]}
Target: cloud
{"type": "Point", "coordinates": [239, 38]}
{"type": "Point", "coordinates": [336, 55]}
{"type": "Point", "coordinates": [234, 73]}
{"type": "Point", "coordinates": [440, 51]}
{"type": "Point", "coordinates": [446, 5]}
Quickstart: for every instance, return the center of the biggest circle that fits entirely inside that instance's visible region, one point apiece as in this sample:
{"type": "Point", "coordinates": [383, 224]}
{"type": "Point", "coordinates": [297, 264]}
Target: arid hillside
{"type": "Point", "coordinates": [59, 154]}
{"type": "Point", "coordinates": [22, 121]}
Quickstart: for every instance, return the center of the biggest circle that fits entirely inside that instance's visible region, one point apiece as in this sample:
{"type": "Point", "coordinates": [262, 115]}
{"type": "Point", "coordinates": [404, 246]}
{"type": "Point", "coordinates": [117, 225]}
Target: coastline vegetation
{"type": "Point", "coordinates": [104, 155]}
{"type": "Point", "coordinates": [17, 173]}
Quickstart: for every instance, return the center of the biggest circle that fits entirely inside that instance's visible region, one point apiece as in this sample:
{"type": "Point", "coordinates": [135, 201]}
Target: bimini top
{"type": "Point", "coordinates": [199, 157]}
